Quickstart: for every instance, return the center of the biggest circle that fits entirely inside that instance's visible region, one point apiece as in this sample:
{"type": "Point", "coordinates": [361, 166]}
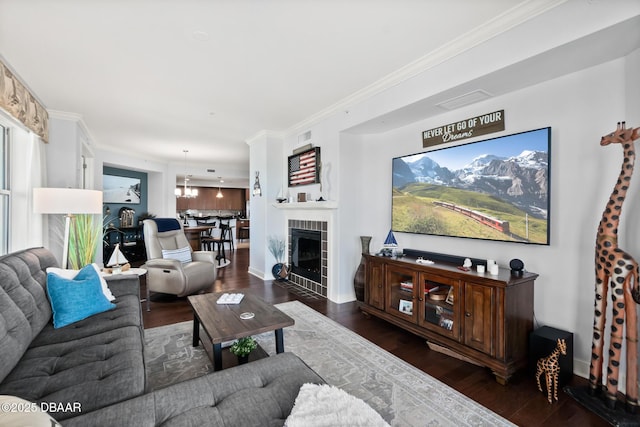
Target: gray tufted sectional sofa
{"type": "Point", "coordinates": [97, 364]}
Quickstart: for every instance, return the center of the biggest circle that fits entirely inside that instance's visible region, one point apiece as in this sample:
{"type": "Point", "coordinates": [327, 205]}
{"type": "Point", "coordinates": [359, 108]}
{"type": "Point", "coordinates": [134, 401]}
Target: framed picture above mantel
{"type": "Point", "coordinates": [304, 167]}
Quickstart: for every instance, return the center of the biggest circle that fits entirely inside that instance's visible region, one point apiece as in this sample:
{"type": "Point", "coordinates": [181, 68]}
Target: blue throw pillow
{"type": "Point", "coordinates": [76, 299]}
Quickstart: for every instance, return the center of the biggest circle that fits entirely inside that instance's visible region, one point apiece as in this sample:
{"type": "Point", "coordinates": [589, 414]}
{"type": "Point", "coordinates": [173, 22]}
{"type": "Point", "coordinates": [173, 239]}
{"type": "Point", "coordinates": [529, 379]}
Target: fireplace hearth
{"type": "Point", "coordinates": [308, 255]}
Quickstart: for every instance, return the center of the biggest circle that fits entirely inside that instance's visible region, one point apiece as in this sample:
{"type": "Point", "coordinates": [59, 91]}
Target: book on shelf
{"type": "Point", "coordinates": [430, 286]}
{"type": "Point", "coordinates": [406, 285]}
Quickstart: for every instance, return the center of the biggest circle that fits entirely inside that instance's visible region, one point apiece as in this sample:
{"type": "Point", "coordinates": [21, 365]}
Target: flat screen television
{"type": "Point", "coordinates": [121, 189]}
{"type": "Point", "coordinates": [495, 189]}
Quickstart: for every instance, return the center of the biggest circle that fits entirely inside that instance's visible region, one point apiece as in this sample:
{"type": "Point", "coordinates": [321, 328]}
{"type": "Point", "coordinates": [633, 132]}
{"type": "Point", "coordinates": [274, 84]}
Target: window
{"type": "Point", "coordinates": [4, 190]}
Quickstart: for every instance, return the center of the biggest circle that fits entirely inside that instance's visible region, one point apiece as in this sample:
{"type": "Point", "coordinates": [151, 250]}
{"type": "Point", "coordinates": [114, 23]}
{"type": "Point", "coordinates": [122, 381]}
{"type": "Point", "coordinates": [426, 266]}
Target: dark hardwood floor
{"type": "Point", "coordinates": [520, 401]}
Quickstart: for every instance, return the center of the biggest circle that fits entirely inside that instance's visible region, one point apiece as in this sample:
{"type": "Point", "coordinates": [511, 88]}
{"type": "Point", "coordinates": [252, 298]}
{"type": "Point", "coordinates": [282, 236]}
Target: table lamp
{"type": "Point", "coordinates": [68, 201]}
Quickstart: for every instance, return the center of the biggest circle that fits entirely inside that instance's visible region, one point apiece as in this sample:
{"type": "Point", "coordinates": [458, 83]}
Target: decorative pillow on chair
{"type": "Point", "coordinates": [76, 299]}
{"type": "Point", "coordinates": [70, 274]}
{"type": "Point", "coordinates": [183, 254]}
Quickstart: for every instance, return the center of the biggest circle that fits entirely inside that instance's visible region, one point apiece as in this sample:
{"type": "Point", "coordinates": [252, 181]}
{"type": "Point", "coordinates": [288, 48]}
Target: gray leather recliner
{"type": "Point", "coordinates": [172, 276]}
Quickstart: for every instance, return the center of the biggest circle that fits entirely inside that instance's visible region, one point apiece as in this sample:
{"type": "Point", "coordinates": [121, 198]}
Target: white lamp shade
{"type": "Point", "coordinates": [67, 201]}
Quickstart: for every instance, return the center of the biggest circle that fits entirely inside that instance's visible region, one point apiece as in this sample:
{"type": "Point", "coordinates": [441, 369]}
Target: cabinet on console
{"type": "Point", "coordinates": [483, 317]}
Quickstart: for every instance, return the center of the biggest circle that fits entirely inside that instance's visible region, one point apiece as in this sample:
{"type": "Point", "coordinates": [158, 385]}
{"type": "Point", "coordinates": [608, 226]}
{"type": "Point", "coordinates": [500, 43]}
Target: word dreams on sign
{"type": "Point", "coordinates": [475, 126]}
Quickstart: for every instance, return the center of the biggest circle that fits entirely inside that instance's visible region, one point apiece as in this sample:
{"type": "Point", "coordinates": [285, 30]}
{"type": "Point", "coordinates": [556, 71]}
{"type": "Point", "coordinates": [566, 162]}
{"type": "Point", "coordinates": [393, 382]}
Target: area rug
{"type": "Point", "coordinates": [401, 394]}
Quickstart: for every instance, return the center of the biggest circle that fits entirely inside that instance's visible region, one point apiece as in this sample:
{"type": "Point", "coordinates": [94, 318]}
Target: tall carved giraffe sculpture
{"type": "Point", "coordinates": [617, 270]}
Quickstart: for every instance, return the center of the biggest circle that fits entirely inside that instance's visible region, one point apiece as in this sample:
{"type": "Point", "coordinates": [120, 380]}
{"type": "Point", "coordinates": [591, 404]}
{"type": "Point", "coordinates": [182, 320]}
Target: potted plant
{"type": "Point", "coordinates": [242, 347]}
{"type": "Point", "coordinates": [143, 216]}
{"type": "Point", "coordinates": [280, 270]}
{"type": "Point", "coordinates": [84, 236]}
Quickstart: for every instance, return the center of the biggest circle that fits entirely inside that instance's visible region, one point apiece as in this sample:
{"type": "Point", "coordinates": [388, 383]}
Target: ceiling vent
{"type": "Point", "coordinates": [304, 137]}
{"type": "Point", "coordinates": [466, 99]}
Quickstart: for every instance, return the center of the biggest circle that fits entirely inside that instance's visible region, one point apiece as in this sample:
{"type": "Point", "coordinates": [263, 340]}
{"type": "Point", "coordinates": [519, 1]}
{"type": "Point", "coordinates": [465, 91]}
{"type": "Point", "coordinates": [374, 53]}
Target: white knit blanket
{"type": "Point", "coordinates": [328, 406]}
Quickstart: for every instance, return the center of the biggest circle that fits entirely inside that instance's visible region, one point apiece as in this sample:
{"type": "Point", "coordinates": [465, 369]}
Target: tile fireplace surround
{"type": "Point", "coordinates": [322, 226]}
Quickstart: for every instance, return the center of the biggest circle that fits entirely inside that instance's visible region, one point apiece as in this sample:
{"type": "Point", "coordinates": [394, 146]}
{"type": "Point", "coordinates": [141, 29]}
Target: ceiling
{"type": "Point", "coordinates": [152, 78]}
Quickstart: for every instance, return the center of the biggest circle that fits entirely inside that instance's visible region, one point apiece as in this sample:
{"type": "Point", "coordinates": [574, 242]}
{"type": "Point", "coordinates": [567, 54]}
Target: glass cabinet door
{"type": "Point", "coordinates": [402, 288]}
{"type": "Point", "coordinates": [439, 299]}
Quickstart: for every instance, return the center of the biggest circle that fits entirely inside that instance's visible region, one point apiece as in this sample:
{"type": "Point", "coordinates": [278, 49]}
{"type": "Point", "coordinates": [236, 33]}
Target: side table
{"type": "Point", "coordinates": [140, 272]}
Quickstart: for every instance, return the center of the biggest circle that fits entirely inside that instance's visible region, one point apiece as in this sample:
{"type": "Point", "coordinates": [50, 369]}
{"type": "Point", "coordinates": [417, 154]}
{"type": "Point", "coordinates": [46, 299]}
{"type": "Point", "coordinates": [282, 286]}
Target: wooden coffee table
{"type": "Point", "coordinates": [222, 322]}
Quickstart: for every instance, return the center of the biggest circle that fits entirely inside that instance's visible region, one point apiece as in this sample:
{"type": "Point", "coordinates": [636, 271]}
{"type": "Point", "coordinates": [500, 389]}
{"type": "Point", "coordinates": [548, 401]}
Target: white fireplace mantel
{"type": "Point", "coordinates": [325, 211]}
{"type": "Point", "coordinates": [329, 204]}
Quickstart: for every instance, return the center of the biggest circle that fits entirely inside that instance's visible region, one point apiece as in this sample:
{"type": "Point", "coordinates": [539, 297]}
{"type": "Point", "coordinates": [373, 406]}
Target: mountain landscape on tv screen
{"type": "Point", "coordinates": [493, 189]}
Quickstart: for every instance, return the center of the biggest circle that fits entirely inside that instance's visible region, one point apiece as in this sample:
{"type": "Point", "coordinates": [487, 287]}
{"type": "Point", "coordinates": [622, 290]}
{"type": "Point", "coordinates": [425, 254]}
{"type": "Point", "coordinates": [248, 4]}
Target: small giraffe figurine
{"type": "Point", "coordinates": [550, 367]}
{"type": "Point", "coordinates": [618, 271]}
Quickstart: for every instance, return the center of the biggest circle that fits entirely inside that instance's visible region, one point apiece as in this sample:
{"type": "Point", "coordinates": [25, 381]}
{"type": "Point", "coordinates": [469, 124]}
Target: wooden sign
{"type": "Point", "coordinates": [469, 128]}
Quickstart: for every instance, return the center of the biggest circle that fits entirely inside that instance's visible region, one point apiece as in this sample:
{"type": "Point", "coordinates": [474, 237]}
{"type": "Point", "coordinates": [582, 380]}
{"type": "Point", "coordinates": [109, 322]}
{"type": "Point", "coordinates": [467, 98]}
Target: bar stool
{"type": "Point", "coordinates": [220, 241]}
{"type": "Point", "coordinates": [229, 234]}
{"type": "Point", "coordinates": [206, 237]}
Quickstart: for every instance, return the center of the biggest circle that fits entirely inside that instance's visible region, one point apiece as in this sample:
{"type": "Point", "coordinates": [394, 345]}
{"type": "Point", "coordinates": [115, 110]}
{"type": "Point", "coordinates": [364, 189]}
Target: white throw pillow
{"type": "Point", "coordinates": [18, 412]}
{"type": "Point", "coordinates": [325, 405]}
{"type": "Point", "coordinates": [183, 254]}
{"type": "Point", "coordinates": [71, 274]}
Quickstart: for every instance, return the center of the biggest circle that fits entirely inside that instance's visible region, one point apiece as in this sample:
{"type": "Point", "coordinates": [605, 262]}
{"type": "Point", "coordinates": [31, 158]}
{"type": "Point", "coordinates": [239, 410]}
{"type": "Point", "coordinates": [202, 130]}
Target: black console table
{"type": "Point", "coordinates": [131, 240]}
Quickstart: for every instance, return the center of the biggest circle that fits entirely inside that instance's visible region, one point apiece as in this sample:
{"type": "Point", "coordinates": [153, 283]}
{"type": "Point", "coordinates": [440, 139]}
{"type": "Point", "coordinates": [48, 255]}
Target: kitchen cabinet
{"type": "Point", "coordinates": [233, 200]}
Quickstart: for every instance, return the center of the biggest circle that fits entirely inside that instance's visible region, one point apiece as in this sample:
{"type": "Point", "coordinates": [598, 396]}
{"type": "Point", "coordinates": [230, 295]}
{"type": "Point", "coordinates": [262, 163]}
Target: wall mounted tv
{"type": "Point", "coordinates": [121, 189]}
{"type": "Point", "coordinates": [495, 189]}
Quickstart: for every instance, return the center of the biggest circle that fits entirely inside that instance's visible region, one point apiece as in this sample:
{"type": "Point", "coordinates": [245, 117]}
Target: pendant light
{"type": "Point", "coordinates": [187, 192]}
{"type": "Point", "coordinates": [219, 195]}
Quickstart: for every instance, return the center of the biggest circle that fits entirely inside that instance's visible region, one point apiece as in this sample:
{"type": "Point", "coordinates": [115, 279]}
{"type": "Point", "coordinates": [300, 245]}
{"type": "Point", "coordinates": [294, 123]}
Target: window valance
{"type": "Point", "coordinates": [21, 104]}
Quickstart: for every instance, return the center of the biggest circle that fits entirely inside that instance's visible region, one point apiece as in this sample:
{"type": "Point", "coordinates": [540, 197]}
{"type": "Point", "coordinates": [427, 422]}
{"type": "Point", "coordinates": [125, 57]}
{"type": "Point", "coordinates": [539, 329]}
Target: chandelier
{"type": "Point", "coordinates": [186, 191]}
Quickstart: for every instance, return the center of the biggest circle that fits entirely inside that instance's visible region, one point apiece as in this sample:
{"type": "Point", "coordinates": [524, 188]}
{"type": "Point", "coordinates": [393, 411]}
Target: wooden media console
{"type": "Point", "coordinates": [482, 317]}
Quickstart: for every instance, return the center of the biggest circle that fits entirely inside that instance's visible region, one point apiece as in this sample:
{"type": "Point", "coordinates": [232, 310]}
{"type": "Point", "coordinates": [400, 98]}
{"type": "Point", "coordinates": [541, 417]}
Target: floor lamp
{"type": "Point", "coordinates": [68, 201]}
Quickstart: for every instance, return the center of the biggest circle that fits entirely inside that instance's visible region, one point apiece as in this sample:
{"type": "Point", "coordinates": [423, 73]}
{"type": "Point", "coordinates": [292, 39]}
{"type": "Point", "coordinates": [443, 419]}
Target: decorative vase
{"type": "Point", "coordinates": [358, 280]}
{"type": "Point", "coordinates": [243, 359]}
{"type": "Point", "coordinates": [280, 271]}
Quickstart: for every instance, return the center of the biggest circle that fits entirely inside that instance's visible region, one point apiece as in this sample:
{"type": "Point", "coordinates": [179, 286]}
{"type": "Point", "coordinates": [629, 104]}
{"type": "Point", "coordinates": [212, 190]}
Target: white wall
{"type": "Point", "coordinates": [266, 157]}
{"type": "Point", "coordinates": [64, 153]}
{"type": "Point", "coordinates": [580, 107]}
{"type": "Point", "coordinates": [582, 176]}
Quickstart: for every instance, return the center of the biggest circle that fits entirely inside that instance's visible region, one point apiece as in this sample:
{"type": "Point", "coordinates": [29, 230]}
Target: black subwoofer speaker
{"type": "Point", "coordinates": [542, 342]}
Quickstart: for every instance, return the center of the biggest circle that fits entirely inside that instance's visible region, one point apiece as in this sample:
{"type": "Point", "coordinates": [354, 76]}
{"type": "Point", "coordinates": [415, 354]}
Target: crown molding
{"type": "Point", "coordinates": [501, 23]}
{"type": "Point", "coordinates": [264, 134]}
{"type": "Point", "coordinates": [75, 117]}
{"type": "Point", "coordinates": [64, 115]}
